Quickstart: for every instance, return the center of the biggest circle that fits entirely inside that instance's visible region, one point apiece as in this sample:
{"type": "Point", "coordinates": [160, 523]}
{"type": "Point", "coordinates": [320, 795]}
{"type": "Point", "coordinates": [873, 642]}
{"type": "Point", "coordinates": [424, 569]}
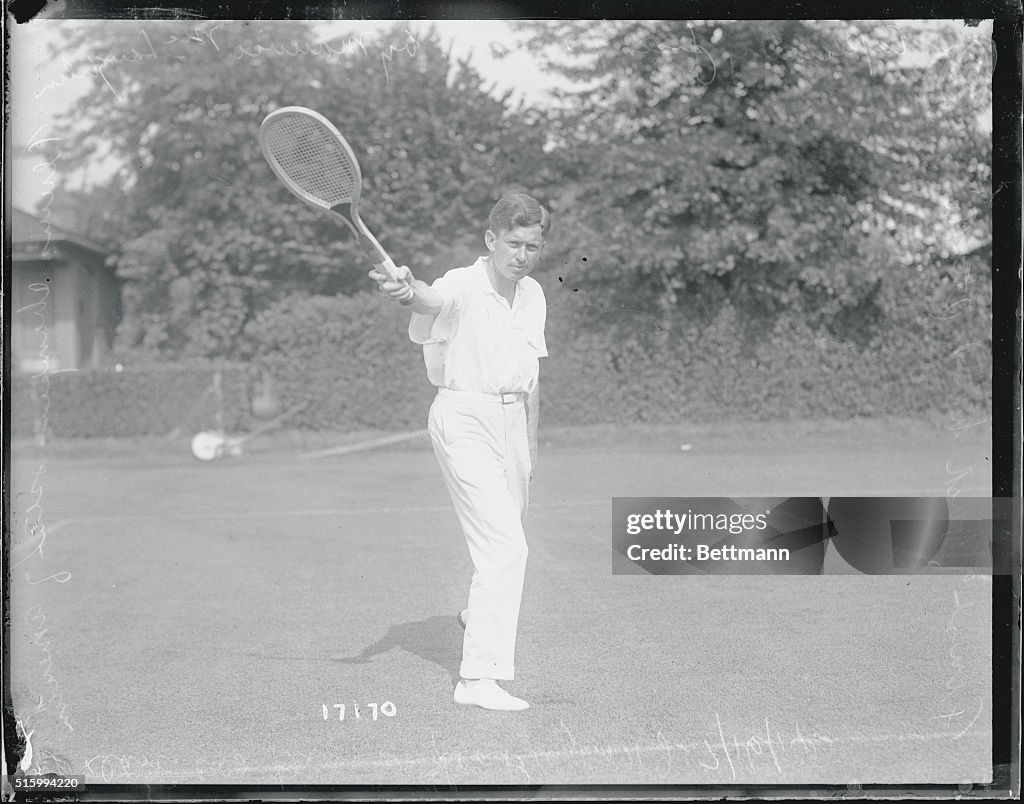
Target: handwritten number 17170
{"type": "Point", "coordinates": [387, 709]}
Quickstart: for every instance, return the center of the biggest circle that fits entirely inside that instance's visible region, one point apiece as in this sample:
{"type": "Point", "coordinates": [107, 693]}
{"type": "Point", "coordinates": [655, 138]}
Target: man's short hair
{"type": "Point", "coordinates": [518, 209]}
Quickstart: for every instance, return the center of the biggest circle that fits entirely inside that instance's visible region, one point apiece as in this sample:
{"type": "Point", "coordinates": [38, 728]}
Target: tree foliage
{"type": "Point", "coordinates": [769, 165]}
{"type": "Point", "coordinates": [207, 236]}
{"type": "Point", "coordinates": [821, 169]}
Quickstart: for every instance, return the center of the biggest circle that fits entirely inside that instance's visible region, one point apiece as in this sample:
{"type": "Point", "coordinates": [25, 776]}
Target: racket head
{"type": "Point", "coordinates": [315, 162]}
{"type": "Point", "coordinates": [311, 157]}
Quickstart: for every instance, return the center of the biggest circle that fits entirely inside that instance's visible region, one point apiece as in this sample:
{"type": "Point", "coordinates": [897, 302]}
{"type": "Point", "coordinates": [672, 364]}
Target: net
{"type": "Point", "coordinates": [311, 156]}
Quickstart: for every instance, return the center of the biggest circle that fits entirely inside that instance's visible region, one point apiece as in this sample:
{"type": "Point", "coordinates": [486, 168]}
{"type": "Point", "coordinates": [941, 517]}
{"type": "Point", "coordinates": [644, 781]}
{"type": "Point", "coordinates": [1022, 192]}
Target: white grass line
{"type": "Point", "coordinates": [602, 504]}
{"type": "Point", "coordinates": [263, 514]}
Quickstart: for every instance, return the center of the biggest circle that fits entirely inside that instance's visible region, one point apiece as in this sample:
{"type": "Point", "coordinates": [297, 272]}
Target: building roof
{"type": "Point", "coordinates": [28, 230]}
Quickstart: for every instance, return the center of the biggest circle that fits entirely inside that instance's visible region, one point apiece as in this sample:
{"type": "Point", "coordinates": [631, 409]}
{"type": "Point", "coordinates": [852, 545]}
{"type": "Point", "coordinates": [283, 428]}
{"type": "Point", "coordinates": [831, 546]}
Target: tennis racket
{"type": "Point", "coordinates": [311, 158]}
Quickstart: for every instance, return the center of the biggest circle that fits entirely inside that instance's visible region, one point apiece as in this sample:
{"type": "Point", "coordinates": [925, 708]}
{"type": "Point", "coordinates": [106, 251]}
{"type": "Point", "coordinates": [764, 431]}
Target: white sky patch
{"type": "Point", "coordinates": [43, 86]}
{"type": "Point", "coordinates": [518, 72]}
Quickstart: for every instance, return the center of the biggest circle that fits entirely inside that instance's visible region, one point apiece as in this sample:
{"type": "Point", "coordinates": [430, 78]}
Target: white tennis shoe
{"type": "Point", "coordinates": [486, 694]}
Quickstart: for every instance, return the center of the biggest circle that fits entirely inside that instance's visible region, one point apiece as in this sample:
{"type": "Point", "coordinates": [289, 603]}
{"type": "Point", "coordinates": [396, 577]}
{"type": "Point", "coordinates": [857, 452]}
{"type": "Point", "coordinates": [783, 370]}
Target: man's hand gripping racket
{"type": "Point", "coordinates": [311, 158]}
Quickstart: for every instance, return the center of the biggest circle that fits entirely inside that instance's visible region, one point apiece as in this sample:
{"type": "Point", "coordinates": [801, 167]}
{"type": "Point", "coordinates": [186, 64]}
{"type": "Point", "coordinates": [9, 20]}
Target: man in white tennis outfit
{"type": "Point", "coordinates": [482, 331]}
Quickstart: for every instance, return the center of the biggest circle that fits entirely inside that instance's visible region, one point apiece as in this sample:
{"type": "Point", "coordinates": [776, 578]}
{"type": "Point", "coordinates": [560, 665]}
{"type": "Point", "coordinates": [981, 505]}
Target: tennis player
{"type": "Point", "coordinates": [482, 332]}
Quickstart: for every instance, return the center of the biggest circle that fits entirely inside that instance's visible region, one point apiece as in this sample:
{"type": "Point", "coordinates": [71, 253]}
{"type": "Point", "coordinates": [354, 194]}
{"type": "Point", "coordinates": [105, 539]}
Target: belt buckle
{"type": "Point", "coordinates": [513, 397]}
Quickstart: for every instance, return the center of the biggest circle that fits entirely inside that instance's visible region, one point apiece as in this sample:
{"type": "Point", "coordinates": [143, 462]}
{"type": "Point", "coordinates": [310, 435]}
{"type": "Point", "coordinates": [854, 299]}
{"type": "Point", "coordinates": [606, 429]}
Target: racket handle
{"type": "Point", "coordinates": [388, 267]}
{"type": "Point", "coordinates": [381, 261]}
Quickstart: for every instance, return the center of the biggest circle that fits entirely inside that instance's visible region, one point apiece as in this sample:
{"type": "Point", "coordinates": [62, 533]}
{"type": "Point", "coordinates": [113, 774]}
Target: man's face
{"type": "Point", "coordinates": [514, 252]}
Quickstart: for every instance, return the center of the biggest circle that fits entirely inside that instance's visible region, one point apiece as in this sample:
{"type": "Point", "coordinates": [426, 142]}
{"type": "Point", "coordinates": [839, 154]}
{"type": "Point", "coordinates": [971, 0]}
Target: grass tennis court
{"type": "Point", "coordinates": [211, 615]}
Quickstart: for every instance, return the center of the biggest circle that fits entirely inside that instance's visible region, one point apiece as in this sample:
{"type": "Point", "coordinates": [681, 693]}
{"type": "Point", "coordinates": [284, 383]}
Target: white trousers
{"type": "Point", "coordinates": [482, 448]}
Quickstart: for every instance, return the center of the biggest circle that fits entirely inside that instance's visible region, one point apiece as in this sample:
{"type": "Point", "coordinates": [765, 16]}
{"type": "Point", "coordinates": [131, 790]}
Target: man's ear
{"type": "Point", "coordinates": [490, 239]}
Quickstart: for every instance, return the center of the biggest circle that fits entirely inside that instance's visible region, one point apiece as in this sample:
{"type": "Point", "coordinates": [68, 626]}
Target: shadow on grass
{"type": "Point", "coordinates": [436, 639]}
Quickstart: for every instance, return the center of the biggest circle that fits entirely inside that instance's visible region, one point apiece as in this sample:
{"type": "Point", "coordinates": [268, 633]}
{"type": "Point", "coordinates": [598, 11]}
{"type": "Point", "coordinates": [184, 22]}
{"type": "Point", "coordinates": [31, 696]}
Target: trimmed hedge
{"type": "Point", "coordinates": [931, 353]}
{"type": "Point", "coordinates": [139, 401]}
{"type": "Point", "coordinates": [349, 356]}
{"type": "Point", "coordinates": [351, 360]}
{"type": "Point", "coordinates": [793, 372]}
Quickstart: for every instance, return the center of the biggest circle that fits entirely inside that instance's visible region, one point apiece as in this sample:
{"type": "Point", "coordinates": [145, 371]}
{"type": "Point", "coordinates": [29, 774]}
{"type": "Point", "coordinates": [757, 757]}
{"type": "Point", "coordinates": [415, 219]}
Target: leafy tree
{"type": "Point", "coordinates": [770, 166]}
{"type": "Point", "coordinates": [206, 236]}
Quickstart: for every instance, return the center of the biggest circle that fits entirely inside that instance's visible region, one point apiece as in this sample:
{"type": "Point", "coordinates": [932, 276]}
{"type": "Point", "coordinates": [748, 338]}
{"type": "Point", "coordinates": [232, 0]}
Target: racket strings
{"type": "Point", "coordinates": [312, 159]}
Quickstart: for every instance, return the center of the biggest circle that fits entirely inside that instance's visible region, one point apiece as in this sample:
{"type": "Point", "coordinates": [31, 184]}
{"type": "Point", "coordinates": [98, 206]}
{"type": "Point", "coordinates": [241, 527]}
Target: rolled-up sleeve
{"type": "Point", "coordinates": [437, 327]}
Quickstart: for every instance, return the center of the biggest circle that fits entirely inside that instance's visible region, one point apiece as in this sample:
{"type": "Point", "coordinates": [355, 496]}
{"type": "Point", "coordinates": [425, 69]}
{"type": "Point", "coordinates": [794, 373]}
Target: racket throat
{"type": "Point", "coordinates": [366, 240]}
{"type": "Point", "coordinates": [345, 209]}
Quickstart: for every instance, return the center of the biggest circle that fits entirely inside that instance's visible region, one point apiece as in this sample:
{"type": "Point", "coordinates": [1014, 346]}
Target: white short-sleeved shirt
{"type": "Point", "coordinates": [477, 342]}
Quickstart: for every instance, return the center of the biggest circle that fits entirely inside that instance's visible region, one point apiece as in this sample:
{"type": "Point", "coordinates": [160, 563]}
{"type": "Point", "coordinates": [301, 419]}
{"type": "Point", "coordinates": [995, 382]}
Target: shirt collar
{"type": "Point", "coordinates": [487, 287]}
